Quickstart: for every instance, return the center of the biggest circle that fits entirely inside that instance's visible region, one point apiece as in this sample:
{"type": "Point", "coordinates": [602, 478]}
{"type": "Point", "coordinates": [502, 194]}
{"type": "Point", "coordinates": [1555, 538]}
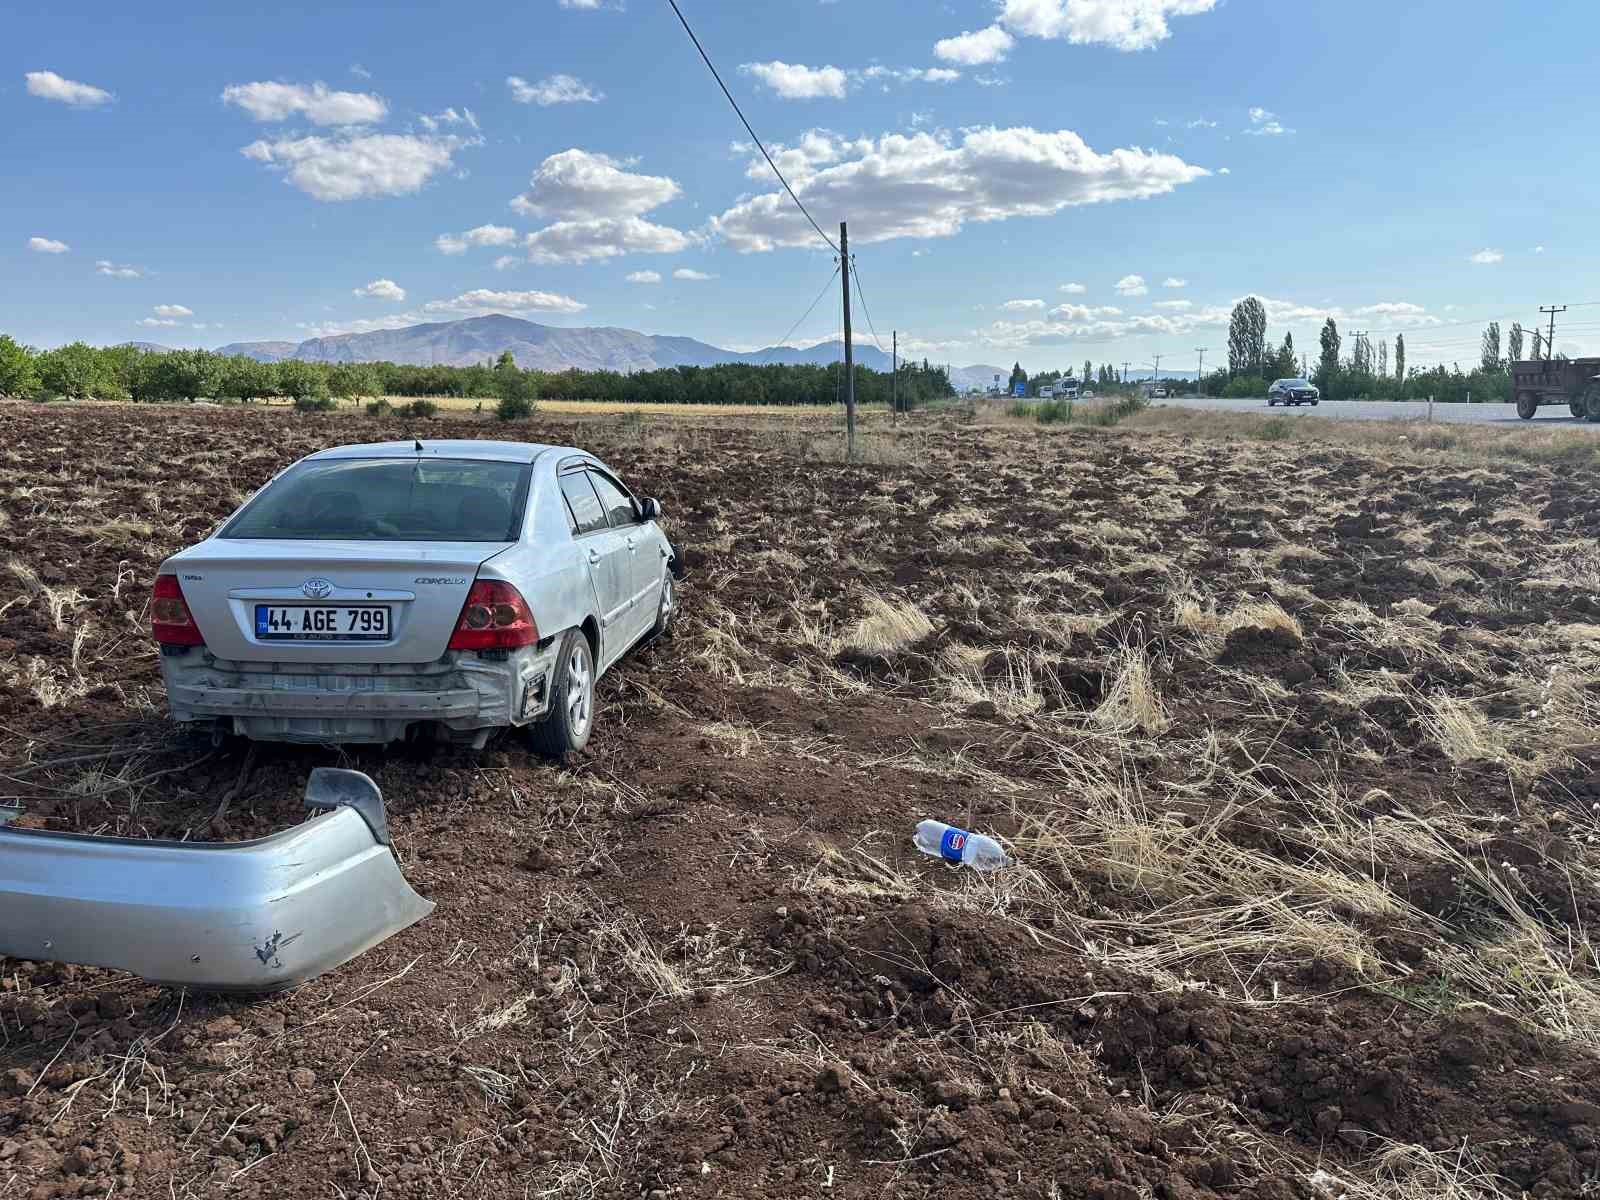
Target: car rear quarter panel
{"type": "Point", "coordinates": [546, 566]}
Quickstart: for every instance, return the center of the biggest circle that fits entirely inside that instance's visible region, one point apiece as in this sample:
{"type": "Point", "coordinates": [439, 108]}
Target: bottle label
{"type": "Point", "coordinates": [950, 846]}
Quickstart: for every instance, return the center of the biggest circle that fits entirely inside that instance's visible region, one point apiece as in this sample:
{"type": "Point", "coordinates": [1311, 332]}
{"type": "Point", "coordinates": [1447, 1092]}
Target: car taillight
{"type": "Point", "coordinates": [495, 617]}
{"type": "Point", "coordinates": [170, 621]}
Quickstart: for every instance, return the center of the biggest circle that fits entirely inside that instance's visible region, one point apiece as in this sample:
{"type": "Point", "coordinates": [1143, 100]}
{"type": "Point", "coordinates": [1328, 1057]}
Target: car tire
{"type": "Point", "coordinates": [1575, 407]}
{"type": "Point", "coordinates": [569, 721]}
{"type": "Point", "coordinates": [1271, 403]}
{"type": "Point", "coordinates": [665, 607]}
{"type": "Point", "coordinates": [1527, 405]}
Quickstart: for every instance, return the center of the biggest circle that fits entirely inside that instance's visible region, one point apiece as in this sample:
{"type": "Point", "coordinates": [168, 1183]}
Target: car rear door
{"type": "Point", "coordinates": [643, 563]}
{"type": "Point", "coordinates": [605, 553]}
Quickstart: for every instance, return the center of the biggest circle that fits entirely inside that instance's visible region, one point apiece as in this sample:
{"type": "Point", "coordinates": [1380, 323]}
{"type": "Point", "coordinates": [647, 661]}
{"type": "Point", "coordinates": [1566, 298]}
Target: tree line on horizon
{"type": "Point", "coordinates": [1366, 372]}
{"type": "Point", "coordinates": [80, 371]}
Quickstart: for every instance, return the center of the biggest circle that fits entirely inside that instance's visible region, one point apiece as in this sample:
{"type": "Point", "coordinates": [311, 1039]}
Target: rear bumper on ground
{"type": "Point", "coordinates": [464, 692]}
{"type": "Point", "coordinates": [254, 916]}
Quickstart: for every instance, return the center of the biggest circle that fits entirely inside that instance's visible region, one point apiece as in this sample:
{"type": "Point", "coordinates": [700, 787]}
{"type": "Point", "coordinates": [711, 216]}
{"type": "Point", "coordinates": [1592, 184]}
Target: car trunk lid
{"type": "Point", "coordinates": [312, 601]}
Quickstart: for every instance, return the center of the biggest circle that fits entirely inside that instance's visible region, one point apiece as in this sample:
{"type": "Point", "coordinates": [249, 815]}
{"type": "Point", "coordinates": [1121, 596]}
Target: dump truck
{"type": "Point", "coordinates": [1574, 382]}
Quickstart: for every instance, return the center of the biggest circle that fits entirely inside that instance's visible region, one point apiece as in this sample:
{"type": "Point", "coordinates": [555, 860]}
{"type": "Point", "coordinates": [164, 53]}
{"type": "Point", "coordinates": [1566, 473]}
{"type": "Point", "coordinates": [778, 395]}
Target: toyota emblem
{"type": "Point", "coordinates": [317, 589]}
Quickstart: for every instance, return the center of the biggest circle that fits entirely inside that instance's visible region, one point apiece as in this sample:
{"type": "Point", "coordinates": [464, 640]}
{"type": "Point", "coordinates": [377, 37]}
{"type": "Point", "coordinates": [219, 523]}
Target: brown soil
{"type": "Point", "coordinates": [703, 959]}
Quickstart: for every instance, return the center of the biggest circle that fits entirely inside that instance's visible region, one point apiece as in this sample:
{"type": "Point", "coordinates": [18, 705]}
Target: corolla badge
{"type": "Point", "coordinates": [317, 588]}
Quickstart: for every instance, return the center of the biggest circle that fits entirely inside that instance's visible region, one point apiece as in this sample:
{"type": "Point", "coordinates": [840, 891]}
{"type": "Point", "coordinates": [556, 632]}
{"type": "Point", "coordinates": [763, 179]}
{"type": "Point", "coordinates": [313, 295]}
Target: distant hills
{"type": "Point", "coordinates": [541, 347]}
{"type": "Point", "coordinates": [552, 348]}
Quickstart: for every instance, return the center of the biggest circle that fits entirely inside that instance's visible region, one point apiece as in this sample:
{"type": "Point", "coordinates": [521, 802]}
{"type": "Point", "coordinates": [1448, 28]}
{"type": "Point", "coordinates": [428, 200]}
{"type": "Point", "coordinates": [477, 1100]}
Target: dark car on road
{"type": "Point", "coordinates": [1292, 391]}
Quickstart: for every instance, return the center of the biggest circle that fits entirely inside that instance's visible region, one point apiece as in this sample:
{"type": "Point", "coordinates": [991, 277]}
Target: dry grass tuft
{"type": "Point", "coordinates": [1132, 704]}
{"type": "Point", "coordinates": [888, 627]}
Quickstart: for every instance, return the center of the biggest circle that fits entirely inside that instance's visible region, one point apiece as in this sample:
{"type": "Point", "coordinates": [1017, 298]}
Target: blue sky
{"type": "Point", "coordinates": [1044, 180]}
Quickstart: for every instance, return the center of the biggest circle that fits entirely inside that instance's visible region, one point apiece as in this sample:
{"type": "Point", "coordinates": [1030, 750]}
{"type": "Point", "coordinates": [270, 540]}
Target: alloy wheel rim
{"type": "Point", "coordinates": [666, 598]}
{"type": "Point", "coordinates": [578, 692]}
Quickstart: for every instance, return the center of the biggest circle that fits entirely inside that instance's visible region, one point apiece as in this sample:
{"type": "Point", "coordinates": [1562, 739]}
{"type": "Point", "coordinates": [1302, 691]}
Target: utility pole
{"type": "Point", "coordinates": [849, 353]}
{"type": "Point", "coordinates": [1550, 342]}
{"type": "Point", "coordinates": [1200, 373]}
{"type": "Point", "coordinates": [1158, 370]}
{"type": "Point", "coordinates": [1125, 365]}
{"type": "Point", "coordinates": [894, 377]}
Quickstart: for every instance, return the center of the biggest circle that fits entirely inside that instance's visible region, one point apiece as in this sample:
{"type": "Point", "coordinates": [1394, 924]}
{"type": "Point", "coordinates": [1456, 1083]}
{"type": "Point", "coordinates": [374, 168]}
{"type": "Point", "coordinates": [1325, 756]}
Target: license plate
{"type": "Point", "coordinates": [322, 623]}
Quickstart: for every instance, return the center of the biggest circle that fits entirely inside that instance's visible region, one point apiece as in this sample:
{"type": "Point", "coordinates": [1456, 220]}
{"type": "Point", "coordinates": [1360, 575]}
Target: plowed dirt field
{"type": "Point", "coordinates": [1293, 746]}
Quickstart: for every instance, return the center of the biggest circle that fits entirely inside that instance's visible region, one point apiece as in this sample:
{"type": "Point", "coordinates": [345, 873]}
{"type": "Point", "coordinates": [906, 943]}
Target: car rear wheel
{"type": "Point", "coordinates": [1271, 403]}
{"type": "Point", "coordinates": [1527, 405]}
{"type": "Point", "coordinates": [570, 719]}
{"type": "Point", "coordinates": [1591, 404]}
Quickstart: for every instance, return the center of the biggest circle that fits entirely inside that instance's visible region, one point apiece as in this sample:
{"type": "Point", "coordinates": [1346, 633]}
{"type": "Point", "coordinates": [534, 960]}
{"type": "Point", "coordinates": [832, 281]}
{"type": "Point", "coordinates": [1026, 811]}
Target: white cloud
{"type": "Point", "coordinates": [1486, 257]}
{"type": "Point", "coordinates": [576, 185]}
{"type": "Point", "coordinates": [47, 85]}
{"type": "Point", "coordinates": [1131, 285]}
{"type": "Point", "coordinates": [1265, 124]}
{"type": "Point", "coordinates": [117, 271]}
{"type": "Point", "coordinates": [483, 235]}
{"type": "Point", "coordinates": [484, 300]}
{"type": "Point", "coordinates": [692, 275]}
{"type": "Point", "coordinates": [1074, 289]}
{"type": "Point", "coordinates": [354, 167]}
{"type": "Point", "coordinates": [976, 48]}
{"type": "Point", "coordinates": [155, 321]}
{"type": "Point", "coordinates": [605, 237]}
{"type": "Point", "coordinates": [793, 81]}
{"type": "Point", "coordinates": [1173, 282]}
{"type": "Point", "coordinates": [876, 74]}
{"type": "Point", "coordinates": [270, 101]}
{"type": "Point", "coordinates": [382, 289]}
{"type": "Point", "coordinates": [448, 117]}
{"type": "Point", "coordinates": [1175, 305]}
{"type": "Point", "coordinates": [1224, 170]}
{"type": "Point", "coordinates": [1201, 123]}
{"type": "Point", "coordinates": [1538, 249]}
{"type": "Point", "coordinates": [172, 310]}
{"type": "Point", "coordinates": [925, 185]}
{"type": "Point", "coordinates": [644, 277]}
{"type": "Point", "coordinates": [506, 261]}
{"type": "Point", "coordinates": [1120, 24]}
{"type": "Point", "coordinates": [44, 245]}
{"type": "Point", "coordinates": [552, 89]}
{"type": "Point", "coordinates": [1022, 305]}
{"type": "Point", "coordinates": [359, 71]}
{"type": "Point", "coordinates": [587, 5]}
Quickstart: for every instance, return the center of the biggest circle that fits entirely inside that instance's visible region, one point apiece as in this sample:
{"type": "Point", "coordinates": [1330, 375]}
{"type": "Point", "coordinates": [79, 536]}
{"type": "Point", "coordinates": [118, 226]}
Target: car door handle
{"type": "Point", "coordinates": [630, 545]}
{"type": "Point", "coordinates": [594, 557]}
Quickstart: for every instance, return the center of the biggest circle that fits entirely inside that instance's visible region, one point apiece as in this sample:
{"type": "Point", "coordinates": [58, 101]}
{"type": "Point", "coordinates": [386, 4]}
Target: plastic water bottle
{"type": "Point", "coordinates": [958, 846]}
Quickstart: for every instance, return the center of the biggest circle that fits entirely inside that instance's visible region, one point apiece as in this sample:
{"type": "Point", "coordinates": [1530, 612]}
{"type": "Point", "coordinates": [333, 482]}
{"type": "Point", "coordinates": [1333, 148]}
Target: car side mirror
{"type": "Point", "coordinates": [650, 507]}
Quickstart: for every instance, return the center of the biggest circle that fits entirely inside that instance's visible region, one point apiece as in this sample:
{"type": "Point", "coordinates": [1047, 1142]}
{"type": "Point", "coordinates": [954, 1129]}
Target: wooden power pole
{"type": "Point", "coordinates": [849, 353]}
{"type": "Point", "coordinates": [1550, 342]}
{"type": "Point", "coordinates": [894, 376]}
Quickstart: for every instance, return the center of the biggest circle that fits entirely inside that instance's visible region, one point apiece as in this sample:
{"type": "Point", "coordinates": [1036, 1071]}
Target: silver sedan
{"type": "Point", "coordinates": [369, 593]}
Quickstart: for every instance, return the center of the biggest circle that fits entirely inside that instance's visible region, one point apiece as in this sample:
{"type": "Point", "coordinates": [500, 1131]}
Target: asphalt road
{"type": "Point", "coordinates": [1367, 410]}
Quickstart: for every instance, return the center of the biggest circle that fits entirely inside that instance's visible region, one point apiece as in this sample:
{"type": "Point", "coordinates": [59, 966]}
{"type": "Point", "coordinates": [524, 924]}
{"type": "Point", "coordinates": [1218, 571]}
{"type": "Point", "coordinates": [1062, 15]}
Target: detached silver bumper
{"type": "Point", "coordinates": [242, 917]}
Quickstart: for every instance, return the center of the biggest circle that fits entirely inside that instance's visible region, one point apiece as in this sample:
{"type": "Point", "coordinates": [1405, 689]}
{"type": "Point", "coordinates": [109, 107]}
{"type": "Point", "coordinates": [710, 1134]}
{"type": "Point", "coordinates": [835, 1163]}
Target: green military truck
{"type": "Point", "coordinates": [1574, 382]}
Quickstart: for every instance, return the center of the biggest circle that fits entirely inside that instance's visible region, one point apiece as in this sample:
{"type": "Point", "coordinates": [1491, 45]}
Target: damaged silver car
{"type": "Point", "coordinates": [256, 916]}
{"type": "Point", "coordinates": [369, 593]}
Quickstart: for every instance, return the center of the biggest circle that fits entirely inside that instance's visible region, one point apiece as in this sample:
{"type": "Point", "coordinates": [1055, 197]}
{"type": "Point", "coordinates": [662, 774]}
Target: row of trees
{"type": "Point", "coordinates": [80, 371]}
{"type": "Point", "coordinates": [1365, 373]}
{"type": "Point", "coordinates": [1105, 376]}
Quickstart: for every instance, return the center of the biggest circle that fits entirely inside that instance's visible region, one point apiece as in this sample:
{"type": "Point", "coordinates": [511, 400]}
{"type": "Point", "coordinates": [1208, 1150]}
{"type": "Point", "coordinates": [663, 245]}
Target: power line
{"type": "Point", "coordinates": [684, 21]}
{"type": "Point", "coordinates": [862, 294]}
{"type": "Point", "coordinates": [784, 340]}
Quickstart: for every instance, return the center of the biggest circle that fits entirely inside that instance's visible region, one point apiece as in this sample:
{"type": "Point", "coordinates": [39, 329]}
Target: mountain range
{"type": "Point", "coordinates": [552, 348]}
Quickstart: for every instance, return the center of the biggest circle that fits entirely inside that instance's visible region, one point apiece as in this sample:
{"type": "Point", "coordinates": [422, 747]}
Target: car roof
{"type": "Point", "coordinates": [519, 452]}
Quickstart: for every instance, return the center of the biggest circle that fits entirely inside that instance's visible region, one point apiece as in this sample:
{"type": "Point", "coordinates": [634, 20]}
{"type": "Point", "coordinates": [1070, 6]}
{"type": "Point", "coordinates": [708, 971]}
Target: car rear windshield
{"type": "Point", "coordinates": [389, 500]}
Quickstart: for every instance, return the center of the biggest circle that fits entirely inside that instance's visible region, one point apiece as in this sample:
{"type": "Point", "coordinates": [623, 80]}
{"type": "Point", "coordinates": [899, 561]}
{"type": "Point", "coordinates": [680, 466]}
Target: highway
{"type": "Point", "coordinates": [1372, 410]}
